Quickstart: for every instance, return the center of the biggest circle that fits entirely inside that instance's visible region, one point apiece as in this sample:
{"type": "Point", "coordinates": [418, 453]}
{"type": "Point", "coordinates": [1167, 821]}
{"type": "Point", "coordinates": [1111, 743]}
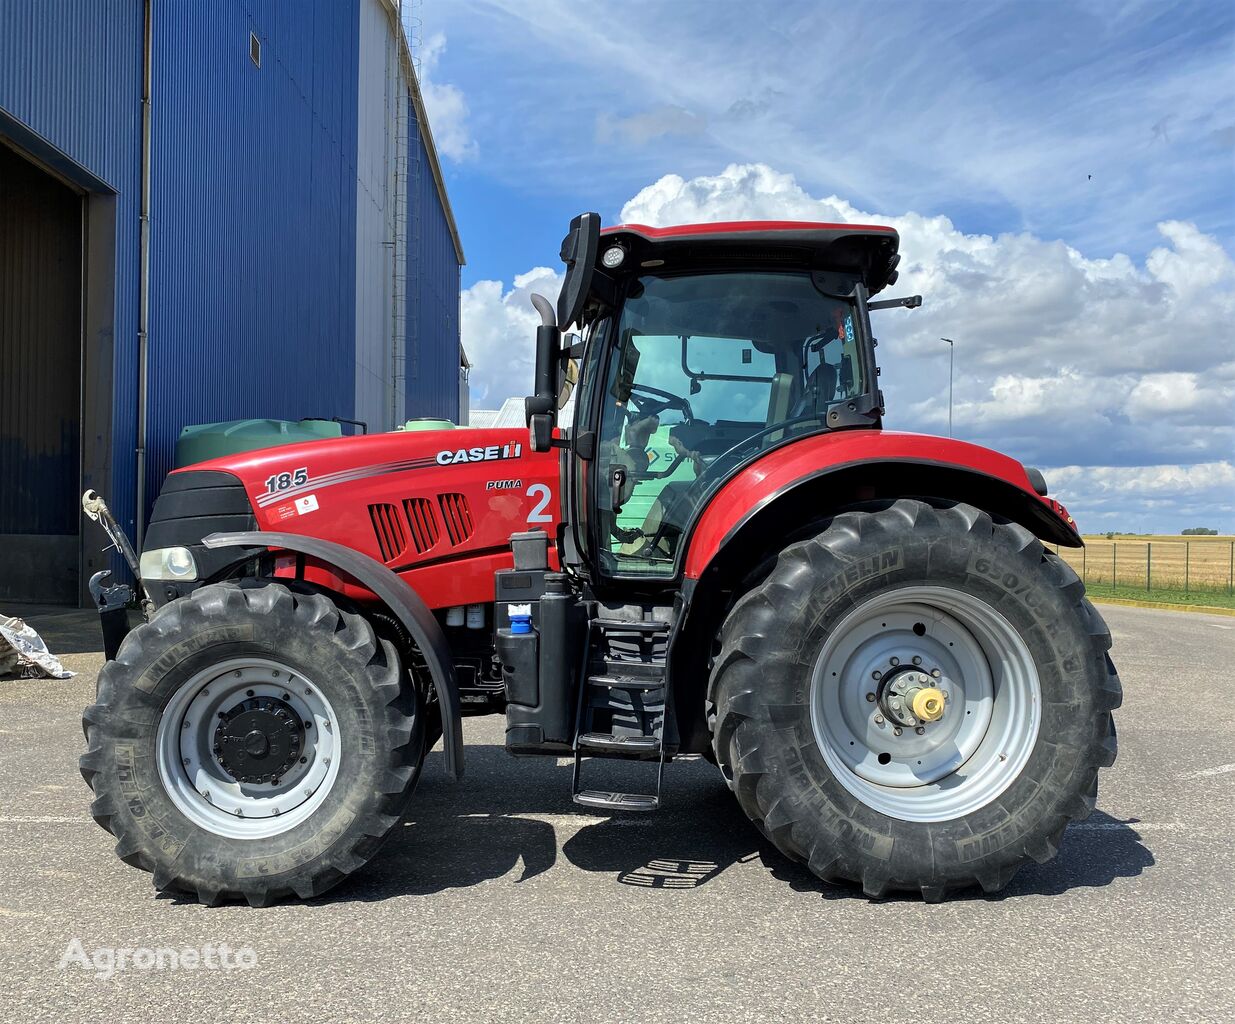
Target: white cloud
{"type": "Point", "coordinates": [499, 331]}
{"type": "Point", "coordinates": [447, 108]}
{"type": "Point", "coordinates": [1061, 359]}
{"type": "Point", "coordinates": [1147, 499]}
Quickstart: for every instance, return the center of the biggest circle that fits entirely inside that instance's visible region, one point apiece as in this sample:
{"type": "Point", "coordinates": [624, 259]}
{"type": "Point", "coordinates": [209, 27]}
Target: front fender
{"type": "Point", "coordinates": [403, 602]}
{"type": "Point", "coordinates": [825, 472]}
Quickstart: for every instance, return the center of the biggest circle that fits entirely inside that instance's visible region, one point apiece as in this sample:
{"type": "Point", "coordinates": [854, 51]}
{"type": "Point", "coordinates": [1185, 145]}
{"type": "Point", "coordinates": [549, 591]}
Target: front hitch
{"type": "Point", "coordinates": [112, 603]}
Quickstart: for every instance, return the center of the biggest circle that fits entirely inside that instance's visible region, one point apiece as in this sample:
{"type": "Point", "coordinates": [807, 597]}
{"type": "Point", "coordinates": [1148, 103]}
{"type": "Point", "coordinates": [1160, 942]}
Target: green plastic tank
{"type": "Point", "coordinates": [202, 441]}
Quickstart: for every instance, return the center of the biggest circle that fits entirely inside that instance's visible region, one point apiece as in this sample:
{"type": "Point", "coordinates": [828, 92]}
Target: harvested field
{"type": "Point", "coordinates": [1189, 564]}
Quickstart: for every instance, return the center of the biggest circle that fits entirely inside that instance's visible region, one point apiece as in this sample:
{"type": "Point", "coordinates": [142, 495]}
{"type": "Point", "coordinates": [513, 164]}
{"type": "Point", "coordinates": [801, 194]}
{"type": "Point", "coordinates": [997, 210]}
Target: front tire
{"type": "Point", "coordinates": [251, 742]}
{"type": "Point", "coordinates": [818, 666]}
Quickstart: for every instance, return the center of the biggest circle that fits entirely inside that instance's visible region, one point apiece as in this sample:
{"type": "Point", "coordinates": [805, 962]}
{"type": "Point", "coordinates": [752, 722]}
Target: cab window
{"type": "Point", "coordinates": [707, 371]}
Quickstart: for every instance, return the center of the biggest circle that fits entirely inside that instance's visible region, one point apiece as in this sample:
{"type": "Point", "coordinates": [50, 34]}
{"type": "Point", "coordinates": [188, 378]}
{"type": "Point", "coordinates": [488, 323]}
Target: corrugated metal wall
{"type": "Point", "coordinates": [70, 73]}
{"type": "Point", "coordinates": [253, 252]}
{"type": "Point", "coordinates": [258, 177]}
{"type": "Point", "coordinates": [433, 305]}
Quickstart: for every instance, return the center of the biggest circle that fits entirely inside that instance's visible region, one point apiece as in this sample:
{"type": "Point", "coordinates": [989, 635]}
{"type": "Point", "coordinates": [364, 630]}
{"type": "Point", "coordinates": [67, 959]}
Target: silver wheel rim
{"type": "Point", "coordinates": [939, 770]}
{"type": "Point", "coordinates": [204, 791]}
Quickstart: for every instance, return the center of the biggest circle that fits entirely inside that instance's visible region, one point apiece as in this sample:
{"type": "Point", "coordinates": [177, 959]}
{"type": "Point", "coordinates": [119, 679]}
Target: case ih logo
{"type": "Point", "coordinates": [494, 451]}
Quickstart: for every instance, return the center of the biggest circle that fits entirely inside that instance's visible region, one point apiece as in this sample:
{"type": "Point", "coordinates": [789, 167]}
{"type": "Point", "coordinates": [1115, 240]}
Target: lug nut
{"type": "Point", "coordinates": [304, 760]}
{"type": "Point", "coordinates": [870, 697]}
{"type": "Point", "coordinates": [917, 660]}
{"type": "Point", "coordinates": [276, 672]}
{"type": "Point", "coordinates": [919, 730]}
{"type": "Point", "coordinates": [935, 672]}
{"type": "Point", "coordinates": [248, 693]}
{"type": "Point", "coordinates": [895, 661]}
{"type": "Point", "coordinates": [879, 719]}
{"type": "Point", "coordinates": [307, 691]}
{"type": "Point", "coordinates": [896, 731]}
{"type": "Point", "coordinates": [876, 675]}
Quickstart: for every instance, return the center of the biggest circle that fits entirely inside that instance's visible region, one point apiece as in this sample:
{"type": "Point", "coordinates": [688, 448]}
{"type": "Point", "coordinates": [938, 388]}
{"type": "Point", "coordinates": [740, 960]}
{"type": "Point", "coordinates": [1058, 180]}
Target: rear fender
{"type": "Point", "coordinates": [786, 495]}
{"type": "Point", "coordinates": [404, 603]}
{"type": "Point", "coordinates": [821, 474]}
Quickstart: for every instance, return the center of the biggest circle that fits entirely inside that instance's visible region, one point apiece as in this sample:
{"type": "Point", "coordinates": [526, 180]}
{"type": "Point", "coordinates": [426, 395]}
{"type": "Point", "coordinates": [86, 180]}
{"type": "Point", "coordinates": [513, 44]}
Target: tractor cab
{"type": "Point", "coordinates": [704, 346]}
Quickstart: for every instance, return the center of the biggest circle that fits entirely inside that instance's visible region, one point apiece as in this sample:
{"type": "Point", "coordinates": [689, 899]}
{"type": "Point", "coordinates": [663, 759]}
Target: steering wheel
{"type": "Point", "coordinates": [730, 455]}
{"type": "Point", "coordinates": [650, 401]}
{"type": "Point", "coordinates": [703, 482]}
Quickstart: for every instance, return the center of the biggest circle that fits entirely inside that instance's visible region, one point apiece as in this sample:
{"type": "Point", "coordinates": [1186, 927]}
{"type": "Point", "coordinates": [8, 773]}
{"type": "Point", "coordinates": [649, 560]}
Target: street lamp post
{"type": "Point", "coordinates": [951, 354]}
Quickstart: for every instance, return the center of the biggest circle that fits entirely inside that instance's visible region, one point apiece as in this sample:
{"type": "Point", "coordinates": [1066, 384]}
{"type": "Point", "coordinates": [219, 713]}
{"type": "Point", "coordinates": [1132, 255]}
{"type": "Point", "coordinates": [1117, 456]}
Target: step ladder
{"type": "Point", "coordinates": [622, 707]}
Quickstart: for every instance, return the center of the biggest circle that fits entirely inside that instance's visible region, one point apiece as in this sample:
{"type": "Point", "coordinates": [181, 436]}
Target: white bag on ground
{"type": "Point", "coordinates": [24, 655]}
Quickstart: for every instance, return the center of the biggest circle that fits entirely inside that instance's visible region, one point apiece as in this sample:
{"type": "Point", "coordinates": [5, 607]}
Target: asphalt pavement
{"type": "Point", "coordinates": [499, 900]}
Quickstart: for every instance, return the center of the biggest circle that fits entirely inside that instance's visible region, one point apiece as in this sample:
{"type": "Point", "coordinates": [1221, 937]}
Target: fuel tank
{"type": "Point", "coordinates": [437, 507]}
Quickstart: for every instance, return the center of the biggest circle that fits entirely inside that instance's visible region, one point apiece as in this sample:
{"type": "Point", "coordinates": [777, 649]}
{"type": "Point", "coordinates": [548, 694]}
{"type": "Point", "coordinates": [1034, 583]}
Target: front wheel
{"type": "Point", "coordinates": [917, 698]}
{"type": "Point", "coordinates": [251, 742]}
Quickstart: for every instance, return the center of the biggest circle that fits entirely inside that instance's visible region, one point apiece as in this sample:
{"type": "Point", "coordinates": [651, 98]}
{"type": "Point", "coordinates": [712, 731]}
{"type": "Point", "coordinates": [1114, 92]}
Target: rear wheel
{"type": "Point", "coordinates": [917, 698]}
{"type": "Point", "coordinates": [250, 742]}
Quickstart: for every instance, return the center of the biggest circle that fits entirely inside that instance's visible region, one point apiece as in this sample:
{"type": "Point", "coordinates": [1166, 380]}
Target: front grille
{"type": "Point", "coordinates": [193, 504]}
{"type": "Point", "coordinates": [458, 517]}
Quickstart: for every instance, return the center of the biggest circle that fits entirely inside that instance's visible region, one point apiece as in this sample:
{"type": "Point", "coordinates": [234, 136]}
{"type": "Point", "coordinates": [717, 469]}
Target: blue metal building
{"type": "Point", "coordinates": [207, 212]}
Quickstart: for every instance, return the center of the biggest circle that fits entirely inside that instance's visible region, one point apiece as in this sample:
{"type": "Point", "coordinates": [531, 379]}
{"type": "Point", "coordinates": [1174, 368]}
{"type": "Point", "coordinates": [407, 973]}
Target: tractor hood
{"type": "Point", "coordinates": [411, 500]}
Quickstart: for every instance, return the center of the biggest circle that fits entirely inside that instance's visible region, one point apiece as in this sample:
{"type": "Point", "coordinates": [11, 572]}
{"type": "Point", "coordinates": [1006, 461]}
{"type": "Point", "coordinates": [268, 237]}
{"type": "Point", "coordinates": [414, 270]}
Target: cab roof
{"type": "Point", "coordinates": [868, 249]}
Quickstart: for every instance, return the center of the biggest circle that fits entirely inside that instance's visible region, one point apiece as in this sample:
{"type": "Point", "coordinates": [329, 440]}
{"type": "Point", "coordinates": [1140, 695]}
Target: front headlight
{"type": "Point", "coordinates": [168, 564]}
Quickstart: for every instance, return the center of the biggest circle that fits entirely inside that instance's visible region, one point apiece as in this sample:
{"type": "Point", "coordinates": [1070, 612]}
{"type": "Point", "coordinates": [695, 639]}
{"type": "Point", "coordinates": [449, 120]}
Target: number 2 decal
{"type": "Point", "coordinates": [538, 514]}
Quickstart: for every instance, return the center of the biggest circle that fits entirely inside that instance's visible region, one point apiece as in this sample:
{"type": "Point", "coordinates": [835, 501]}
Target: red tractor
{"type": "Point", "coordinates": [864, 630]}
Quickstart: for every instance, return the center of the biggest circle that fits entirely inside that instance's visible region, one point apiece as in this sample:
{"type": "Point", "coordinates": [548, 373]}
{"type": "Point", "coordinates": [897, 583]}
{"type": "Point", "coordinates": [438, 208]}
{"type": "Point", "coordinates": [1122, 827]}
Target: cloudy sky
{"type": "Point", "coordinates": [1062, 175]}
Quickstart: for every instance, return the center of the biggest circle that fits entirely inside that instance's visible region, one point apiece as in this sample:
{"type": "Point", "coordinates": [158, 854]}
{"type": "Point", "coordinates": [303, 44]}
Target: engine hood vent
{"type": "Point", "coordinates": [458, 516]}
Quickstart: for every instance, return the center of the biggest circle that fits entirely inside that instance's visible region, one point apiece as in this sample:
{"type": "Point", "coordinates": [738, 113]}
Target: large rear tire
{"type": "Point", "coordinates": [821, 663]}
{"type": "Point", "coordinates": [251, 742]}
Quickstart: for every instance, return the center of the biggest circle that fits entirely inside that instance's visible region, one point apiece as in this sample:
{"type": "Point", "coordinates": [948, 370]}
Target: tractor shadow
{"type": "Point", "coordinates": [1094, 853]}
{"type": "Point", "coordinates": [491, 824]}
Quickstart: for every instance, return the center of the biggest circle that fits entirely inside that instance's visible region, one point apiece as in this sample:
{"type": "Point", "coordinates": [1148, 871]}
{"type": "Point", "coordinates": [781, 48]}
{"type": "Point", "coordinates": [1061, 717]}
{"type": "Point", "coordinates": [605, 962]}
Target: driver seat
{"type": "Point", "coordinates": [820, 391]}
{"type": "Point", "coordinates": [666, 520]}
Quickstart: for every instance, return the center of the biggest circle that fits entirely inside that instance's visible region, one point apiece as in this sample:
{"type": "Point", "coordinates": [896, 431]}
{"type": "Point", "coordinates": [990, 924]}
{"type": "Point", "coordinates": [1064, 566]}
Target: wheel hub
{"type": "Point", "coordinates": [908, 697]}
{"type": "Point", "coordinates": [258, 740]}
{"type": "Point", "coordinates": [925, 703]}
{"type": "Point", "coordinates": [247, 748]}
